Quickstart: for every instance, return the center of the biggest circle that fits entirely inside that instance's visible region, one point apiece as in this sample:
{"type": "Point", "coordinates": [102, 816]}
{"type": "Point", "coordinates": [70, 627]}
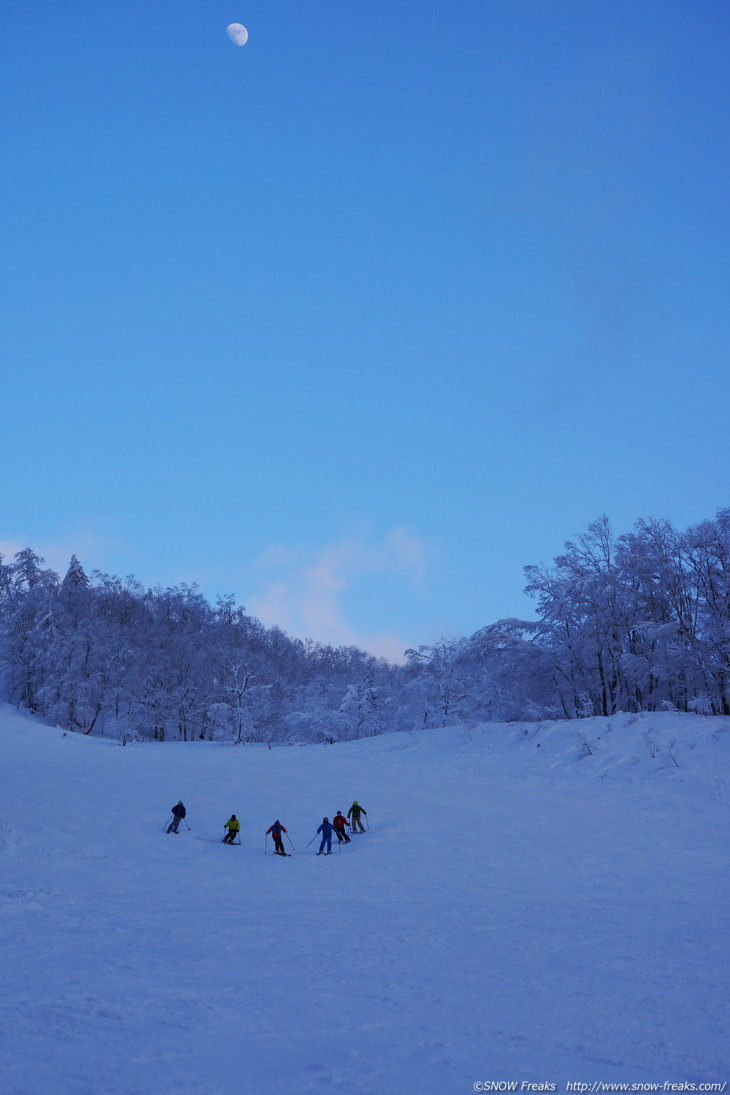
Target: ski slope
{"type": "Point", "coordinates": [531, 903]}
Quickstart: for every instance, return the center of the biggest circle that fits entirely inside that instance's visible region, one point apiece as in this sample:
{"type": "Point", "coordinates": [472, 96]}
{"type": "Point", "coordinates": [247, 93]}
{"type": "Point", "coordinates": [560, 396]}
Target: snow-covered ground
{"type": "Point", "coordinates": [531, 903]}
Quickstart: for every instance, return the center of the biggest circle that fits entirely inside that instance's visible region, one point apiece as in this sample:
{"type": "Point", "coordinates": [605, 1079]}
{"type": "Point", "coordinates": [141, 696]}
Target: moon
{"type": "Point", "coordinates": [237, 33]}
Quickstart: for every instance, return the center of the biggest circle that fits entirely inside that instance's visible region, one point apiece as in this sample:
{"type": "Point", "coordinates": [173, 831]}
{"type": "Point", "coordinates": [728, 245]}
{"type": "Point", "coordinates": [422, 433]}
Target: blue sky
{"type": "Point", "coordinates": [358, 319]}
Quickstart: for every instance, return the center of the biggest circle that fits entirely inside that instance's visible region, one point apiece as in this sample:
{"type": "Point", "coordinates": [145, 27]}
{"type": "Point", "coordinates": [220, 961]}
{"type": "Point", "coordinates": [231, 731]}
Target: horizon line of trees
{"type": "Point", "coordinates": [635, 622]}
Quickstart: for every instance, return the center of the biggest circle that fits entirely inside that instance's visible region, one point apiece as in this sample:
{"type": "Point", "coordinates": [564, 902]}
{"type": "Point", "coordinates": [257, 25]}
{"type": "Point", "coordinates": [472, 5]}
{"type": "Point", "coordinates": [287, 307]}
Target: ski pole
{"type": "Point", "coordinates": [289, 839]}
{"type": "Point", "coordinates": [266, 843]}
{"type": "Point", "coordinates": [167, 822]}
{"type": "Point", "coordinates": [313, 839]}
{"type": "Point", "coordinates": [186, 824]}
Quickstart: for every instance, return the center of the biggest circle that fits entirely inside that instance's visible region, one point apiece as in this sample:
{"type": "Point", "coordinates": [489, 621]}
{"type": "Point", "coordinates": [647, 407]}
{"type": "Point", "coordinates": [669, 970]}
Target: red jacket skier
{"type": "Point", "coordinates": [339, 822]}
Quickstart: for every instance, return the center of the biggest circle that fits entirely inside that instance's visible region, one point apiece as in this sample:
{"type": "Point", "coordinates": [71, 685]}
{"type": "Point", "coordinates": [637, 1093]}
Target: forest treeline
{"type": "Point", "coordinates": [639, 621]}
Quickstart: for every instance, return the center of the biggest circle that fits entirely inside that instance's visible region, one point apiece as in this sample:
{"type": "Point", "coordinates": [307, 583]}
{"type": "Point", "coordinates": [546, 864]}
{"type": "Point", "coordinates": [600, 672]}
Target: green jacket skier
{"type": "Point", "coordinates": [354, 813]}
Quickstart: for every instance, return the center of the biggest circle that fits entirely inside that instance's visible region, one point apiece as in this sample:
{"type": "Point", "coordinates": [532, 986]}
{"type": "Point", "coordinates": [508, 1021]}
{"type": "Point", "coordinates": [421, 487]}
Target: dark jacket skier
{"type": "Point", "coordinates": [354, 812]}
{"type": "Point", "coordinates": [234, 827]}
{"type": "Point", "coordinates": [178, 813]}
{"type": "Point", "coordinates": [339, 823]}
{"type": "Point", "coordinates": [276, 830]}
{"type": "Point", "coordinates": [326, 830]}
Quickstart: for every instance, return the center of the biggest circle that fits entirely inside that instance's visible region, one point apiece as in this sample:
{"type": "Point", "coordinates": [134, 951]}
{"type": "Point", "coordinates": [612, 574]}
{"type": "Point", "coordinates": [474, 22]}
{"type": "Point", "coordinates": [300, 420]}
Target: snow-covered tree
{"type": "Point", "coordinates": [75, 576]}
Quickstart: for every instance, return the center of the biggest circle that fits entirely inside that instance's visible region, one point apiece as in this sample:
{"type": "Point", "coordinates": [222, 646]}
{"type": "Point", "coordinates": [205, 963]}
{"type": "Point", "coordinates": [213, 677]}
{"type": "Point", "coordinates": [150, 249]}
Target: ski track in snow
{"type": "Point", "coordinates": [513, 913]}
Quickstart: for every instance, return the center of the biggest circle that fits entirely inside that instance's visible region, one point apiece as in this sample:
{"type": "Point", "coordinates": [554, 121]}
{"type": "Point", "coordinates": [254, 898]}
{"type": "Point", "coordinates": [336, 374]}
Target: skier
{"type": "Point", "coordinates": [276, 830]}
{"type": "Point", "coordinates": [354, 812]}
{"type": "Point", "coordinates": [234, 827]}
{"type": "Point", "coordinates": [326, 830]}
{"type": "Point", "coordinates": [178, 813]}
{"type": "Point", "coordinates": [339, 823]}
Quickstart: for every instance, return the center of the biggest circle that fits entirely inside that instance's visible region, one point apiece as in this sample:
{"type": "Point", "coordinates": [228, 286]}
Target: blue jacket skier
{"type": "Point", "coordinates": [326, 829]}
{"type": "Point", "coordinates": [276, 830]}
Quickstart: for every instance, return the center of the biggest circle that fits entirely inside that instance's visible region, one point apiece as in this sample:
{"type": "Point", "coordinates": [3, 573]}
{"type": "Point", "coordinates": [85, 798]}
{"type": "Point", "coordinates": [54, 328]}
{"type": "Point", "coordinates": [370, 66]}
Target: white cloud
{"type": "Point", "coordinates": [9, 548]}
{"type": "Point", "coordinates": [303, 590]}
